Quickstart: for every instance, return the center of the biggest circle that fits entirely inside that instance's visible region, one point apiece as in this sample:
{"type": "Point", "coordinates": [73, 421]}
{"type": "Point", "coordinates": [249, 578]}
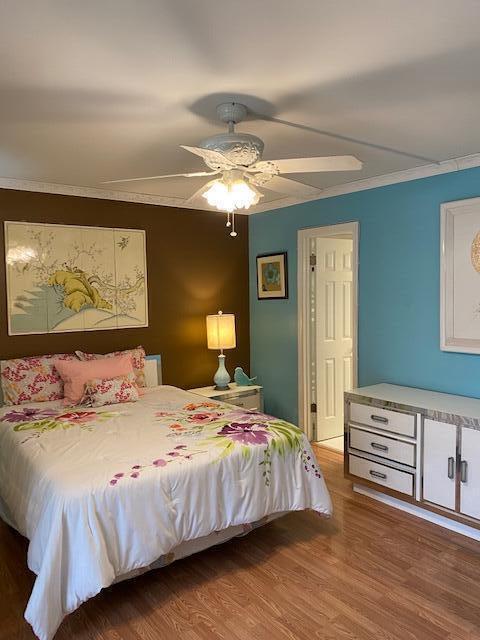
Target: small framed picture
{"type": "Point", "coordinates": [272, 279]}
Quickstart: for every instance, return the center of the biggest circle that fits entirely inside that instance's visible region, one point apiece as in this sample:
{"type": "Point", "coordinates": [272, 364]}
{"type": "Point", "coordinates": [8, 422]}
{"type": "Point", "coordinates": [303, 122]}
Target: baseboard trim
{"type": "Point", "coordinates": [412, 509]}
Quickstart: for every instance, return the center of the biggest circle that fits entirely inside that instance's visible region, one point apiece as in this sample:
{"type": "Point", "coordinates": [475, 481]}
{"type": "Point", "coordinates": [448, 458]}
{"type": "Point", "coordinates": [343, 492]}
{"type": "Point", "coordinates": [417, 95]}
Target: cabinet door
{"type": "Point", "coordinates": [470, 473]}
{"type": "Point", "coordinates": [439, 460]}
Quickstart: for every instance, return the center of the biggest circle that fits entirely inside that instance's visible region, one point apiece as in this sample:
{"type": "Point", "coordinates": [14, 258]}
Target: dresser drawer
{"type": "Point", "coordinates": [393, 421]}
{"type": "Point", "coordinates": [251, 401]}
{"type": "Point", "coordinates": [403, 452]}
{"type": "Point", "coordinates": [382, 475]}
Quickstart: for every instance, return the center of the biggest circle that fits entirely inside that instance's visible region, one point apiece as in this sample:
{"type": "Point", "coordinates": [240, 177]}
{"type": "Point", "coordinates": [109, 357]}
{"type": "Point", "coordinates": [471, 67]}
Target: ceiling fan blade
{"type": "Point", "coordinates": [311, 165]}
{"type": "Point", "coordinates": [290, 187]}
{"type": "Point", "coordinates": [215, 157]}
{"type": "Point", "coordinates": [196, 199]}
{"type": "Point", "coordinates": [195, 174]}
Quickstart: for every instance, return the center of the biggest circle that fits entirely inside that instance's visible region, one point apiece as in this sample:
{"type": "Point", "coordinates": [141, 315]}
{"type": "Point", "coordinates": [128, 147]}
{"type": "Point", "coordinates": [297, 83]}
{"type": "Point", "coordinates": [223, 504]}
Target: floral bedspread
{"type": "Point", "coordinates": [100, 493]}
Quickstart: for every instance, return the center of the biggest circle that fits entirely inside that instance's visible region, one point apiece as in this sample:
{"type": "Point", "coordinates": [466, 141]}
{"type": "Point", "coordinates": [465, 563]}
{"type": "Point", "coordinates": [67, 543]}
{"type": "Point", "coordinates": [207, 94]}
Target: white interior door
{"type": "Point", "coordinates": [334, 332]}
{"type": "Point", "coordinates": [439, 463]}
{"type": "Point", "coordinates": [470, 473]}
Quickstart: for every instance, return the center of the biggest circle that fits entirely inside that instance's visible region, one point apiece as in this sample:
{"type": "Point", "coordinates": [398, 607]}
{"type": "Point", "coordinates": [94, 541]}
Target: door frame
{"type": "Point", "coordinates": [304, 236]}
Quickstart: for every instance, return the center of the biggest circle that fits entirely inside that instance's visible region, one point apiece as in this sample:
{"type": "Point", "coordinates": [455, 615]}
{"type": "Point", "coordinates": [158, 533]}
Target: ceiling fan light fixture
{"type": "Point", "coordinates": [231, 195]}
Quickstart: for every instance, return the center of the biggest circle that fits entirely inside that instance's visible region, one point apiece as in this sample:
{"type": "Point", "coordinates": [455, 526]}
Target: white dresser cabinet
{"type": "Point", "coordinates": [470, 473]}
{"type": "Point", "coordinates": [439, 463]}
{"type": "Point", "coordinates": [417, 450]}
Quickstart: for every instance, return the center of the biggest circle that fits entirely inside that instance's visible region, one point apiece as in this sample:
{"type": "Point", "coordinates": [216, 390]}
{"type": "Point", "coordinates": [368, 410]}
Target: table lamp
{"type": "Point", "coordinates": [221, 335]}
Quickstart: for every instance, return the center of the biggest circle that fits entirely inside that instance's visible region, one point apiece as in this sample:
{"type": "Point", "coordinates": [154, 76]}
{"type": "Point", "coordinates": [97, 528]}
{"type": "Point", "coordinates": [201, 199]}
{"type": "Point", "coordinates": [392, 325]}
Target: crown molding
{"type": "Point", "coordinates": [416, 173]}
{"type": "Point", "coordinates": [90, 192]}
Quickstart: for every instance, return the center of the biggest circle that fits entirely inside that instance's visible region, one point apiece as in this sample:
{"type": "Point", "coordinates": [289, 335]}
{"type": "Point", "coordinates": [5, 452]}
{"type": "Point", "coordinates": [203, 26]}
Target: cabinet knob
{"type": "Point", "coordinates": [377, 474]}
{"type": "Point", "coordinates": [451, 468]}
{"type": "Point", "coordinates": [379, 447]}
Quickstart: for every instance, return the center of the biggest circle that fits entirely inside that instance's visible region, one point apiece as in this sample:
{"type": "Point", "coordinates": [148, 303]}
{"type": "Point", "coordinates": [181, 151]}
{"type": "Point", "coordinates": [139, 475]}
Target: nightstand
{"type": "Point", "coordinates": [249, 397]}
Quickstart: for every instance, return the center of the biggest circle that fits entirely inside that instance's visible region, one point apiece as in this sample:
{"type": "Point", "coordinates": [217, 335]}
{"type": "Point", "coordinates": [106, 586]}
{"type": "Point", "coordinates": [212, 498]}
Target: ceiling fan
{"type": "Point", "coordinates": [237, 157]}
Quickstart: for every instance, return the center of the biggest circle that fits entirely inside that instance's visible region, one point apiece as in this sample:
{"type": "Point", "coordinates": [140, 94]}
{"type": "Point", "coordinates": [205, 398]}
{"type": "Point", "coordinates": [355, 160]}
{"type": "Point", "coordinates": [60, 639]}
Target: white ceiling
{"type": "Point", "coordinates": [99, 90]}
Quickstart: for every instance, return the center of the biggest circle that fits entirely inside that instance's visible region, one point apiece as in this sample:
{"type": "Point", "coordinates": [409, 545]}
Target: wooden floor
{"type": "Point", "coordinates": [371, 572]}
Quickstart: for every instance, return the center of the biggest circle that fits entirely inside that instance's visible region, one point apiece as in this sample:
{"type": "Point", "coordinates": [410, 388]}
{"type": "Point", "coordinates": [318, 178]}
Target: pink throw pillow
{"type": "Point", "coordinates": [138, 361]}
{"type": "Point", "coordinates": [76, 373]}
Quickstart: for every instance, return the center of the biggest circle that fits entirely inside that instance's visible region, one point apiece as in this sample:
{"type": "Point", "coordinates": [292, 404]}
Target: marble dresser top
{"type": "Point", "coordinates": [443, 407]}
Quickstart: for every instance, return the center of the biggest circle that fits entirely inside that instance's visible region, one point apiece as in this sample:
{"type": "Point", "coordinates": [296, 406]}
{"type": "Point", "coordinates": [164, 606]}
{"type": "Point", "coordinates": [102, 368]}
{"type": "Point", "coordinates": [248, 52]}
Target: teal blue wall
{"type": "Point", "coordinates": [399, 275]}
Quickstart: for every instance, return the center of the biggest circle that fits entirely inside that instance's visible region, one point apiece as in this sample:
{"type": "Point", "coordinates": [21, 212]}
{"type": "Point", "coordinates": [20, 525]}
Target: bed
{"type": "Point", "coordinates": [105, 494]}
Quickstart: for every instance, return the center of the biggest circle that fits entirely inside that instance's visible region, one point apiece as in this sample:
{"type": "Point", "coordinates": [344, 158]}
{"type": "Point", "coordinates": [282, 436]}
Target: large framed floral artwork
{"type": "Point", "coordinates": [72, 278]}
{"type": "Point", "coordinates": [460, 276]}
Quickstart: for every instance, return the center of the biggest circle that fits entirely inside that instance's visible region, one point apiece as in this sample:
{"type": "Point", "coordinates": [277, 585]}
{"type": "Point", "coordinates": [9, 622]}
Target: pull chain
{"type": "Point", "coordinates": [229, 224]}
{"type": "Point", "coordinates": [233, 233]}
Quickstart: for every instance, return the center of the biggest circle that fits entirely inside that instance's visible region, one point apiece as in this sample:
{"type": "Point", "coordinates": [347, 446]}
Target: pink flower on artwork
{"type": "Point", "coordinates": [159, 463]}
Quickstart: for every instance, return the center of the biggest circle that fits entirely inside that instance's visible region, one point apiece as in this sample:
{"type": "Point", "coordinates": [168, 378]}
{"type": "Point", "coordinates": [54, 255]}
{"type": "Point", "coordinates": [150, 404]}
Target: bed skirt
{"type": "Point", "coordinates": [189, 547]}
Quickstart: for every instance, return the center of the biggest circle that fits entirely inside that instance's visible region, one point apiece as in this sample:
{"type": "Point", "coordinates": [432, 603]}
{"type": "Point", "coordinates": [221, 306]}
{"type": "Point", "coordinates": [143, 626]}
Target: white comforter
{"type": "Point", "coordinates": [100, 493]}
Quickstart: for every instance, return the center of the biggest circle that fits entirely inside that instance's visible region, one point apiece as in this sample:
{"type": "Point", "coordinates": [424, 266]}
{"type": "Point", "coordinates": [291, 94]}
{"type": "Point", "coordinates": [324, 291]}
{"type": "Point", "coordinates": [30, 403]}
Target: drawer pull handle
{"type": "Point", "coordinates": [463, 470]}
{"type": "Point", "coordinates": [377, 474]}
{"type": "Point", "coordinates": [451, 468]}
{"type": "Point", "coordinates": [379, 419]}
{"type": "Point", "coordinates": [379, 447]}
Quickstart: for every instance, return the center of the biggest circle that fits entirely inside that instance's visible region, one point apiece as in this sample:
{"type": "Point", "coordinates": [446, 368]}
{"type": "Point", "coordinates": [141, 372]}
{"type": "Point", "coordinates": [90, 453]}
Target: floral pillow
{"type": "Point", "coordinates": [32, 379]}
{"type": "Point", "coordinates": [138, 361]}
{"type": "Point", "coordinates": [99, 392]}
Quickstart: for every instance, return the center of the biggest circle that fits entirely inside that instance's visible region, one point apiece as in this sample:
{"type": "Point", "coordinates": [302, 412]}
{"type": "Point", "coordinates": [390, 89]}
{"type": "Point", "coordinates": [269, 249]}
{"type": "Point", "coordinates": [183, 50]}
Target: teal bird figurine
{"type": "Point", "coordinates": [241, 378]}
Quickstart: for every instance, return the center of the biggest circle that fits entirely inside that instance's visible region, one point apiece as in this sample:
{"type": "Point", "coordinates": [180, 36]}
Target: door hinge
{"type": "Point", "coordinates": [313, 260]}
{"type": "Point", "coordinates": [313, 407]}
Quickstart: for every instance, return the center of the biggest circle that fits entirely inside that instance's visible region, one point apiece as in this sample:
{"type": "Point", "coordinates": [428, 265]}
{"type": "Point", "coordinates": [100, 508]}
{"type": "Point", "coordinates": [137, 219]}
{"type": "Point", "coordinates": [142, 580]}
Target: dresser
{"type": "Point", "coordinates": [417, 450]}
{"type": "Point", "coordinates": [248, 396]}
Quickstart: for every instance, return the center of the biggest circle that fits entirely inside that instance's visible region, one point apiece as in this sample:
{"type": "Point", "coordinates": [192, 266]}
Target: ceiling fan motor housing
{"type": "Point", "coordinates": [243, 149]}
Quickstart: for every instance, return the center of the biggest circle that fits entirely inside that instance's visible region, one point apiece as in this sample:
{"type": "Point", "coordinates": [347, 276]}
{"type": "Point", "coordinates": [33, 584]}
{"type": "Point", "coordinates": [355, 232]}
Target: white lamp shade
{"type": "Point", "coordinates": [221, 331]}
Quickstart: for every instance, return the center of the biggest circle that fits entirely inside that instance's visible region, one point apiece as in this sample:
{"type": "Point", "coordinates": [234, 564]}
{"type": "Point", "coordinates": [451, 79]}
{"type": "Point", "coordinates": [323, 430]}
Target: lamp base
{"type": "Point", "coordinates": [225, 387]}
{"type": "Point", "coordinates": [222, 377]}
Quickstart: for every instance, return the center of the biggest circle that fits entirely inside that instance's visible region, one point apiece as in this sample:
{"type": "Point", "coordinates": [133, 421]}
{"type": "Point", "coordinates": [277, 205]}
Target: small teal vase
{"type": "Point", "coordinates": [221, 378]}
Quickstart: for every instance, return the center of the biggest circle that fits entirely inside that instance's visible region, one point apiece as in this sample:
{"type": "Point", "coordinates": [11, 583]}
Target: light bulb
{"type": "Point", "coordinates": [231, 195]}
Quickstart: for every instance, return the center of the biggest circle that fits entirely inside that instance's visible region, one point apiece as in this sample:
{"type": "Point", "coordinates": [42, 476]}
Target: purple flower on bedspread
{"type": "Point", "coordinates": [28, 414]}
{"type": "Point", "coordinates": [249, 415]}
{"type": "Point", "coordinates": [175, 456]}
{"type": "Point", "coordinates": [245, 432]}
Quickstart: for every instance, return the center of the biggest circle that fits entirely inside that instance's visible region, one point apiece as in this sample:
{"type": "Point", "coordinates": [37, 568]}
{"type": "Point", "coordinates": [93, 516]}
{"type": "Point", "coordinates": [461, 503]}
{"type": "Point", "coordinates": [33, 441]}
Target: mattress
{"type": "Point", "coordinates": [104, 493]}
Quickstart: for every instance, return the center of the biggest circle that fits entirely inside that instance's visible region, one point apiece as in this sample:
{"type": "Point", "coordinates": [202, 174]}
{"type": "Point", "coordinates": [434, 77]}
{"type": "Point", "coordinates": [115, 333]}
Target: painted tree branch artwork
{"type": "Point", "coordinates": [71, 278]}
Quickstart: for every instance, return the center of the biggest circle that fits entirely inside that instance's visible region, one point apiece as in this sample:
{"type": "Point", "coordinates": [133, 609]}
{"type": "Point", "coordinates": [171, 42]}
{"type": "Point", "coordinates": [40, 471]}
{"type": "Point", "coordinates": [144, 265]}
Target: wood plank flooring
{"type": "Point", "coordinates": [371, 572]}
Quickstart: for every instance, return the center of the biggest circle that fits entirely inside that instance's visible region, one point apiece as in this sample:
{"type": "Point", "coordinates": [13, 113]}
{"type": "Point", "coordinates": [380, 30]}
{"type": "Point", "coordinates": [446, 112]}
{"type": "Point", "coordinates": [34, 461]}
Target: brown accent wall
{"type": "Point", "coordinates": [194, 268]}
